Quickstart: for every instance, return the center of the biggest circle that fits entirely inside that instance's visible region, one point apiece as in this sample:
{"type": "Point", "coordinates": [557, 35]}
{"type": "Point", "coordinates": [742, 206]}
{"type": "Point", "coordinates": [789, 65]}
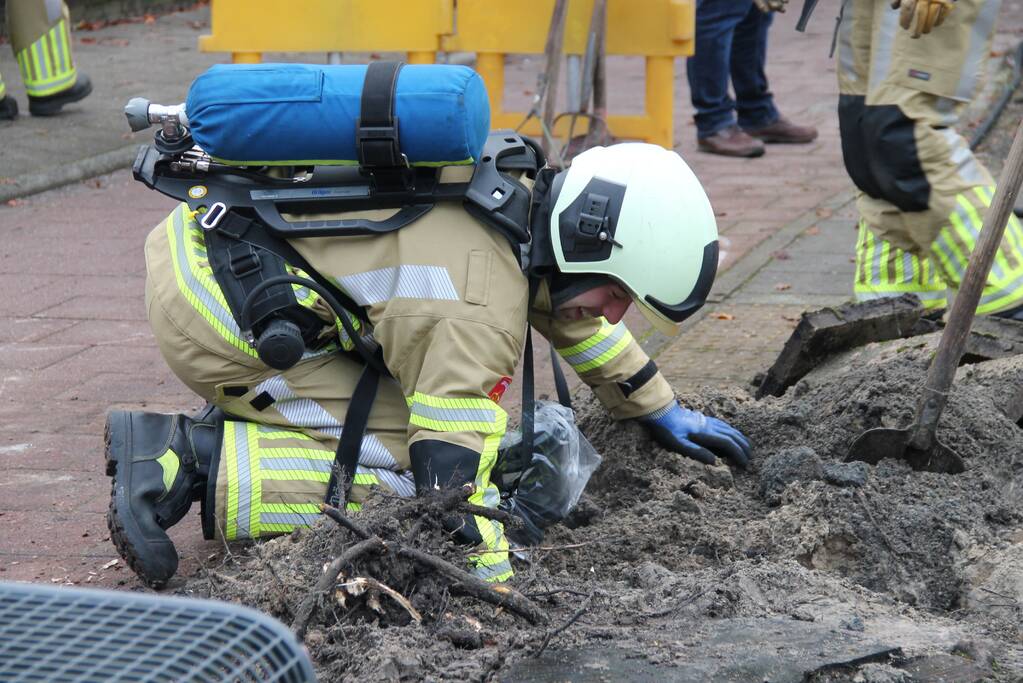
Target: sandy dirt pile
{"type": "Point", "coordinates": [801, 568]}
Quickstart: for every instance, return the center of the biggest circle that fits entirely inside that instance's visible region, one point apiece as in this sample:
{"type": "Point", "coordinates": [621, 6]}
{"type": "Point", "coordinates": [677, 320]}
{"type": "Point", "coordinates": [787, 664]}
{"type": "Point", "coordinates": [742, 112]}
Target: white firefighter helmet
{"type": "Point", "coordinates": [636, 213]}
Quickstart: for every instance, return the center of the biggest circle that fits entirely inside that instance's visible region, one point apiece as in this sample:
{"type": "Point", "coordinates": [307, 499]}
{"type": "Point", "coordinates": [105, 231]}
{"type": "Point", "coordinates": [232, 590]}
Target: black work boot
{"type": "Point", "coordinates": [8, 108]}
{"type": "Point", "coordinates": [160, 464]}
{"type": "Point", "coordinates": [49, 105]}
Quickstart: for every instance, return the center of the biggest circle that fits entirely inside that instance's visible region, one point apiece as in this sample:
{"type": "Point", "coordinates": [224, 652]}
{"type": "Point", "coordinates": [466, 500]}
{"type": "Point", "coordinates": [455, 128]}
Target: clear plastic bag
{"type": "Point", "coordinates": [542, 488]}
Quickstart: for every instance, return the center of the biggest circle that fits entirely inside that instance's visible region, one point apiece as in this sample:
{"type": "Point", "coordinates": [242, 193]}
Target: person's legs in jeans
{"type": "Point", "coordinates": [708, 68]}
{"type": "Point", "coordinates": [754, 101]}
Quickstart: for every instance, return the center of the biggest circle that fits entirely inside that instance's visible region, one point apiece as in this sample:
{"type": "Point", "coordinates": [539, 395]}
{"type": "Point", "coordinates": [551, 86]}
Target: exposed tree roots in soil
{"type": "Point", "coordinates": [802, 567]}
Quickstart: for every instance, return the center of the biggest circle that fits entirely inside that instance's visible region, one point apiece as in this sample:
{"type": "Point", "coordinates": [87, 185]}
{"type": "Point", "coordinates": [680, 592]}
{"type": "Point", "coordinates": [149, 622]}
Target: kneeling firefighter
{"type": "Point", "coordinates": [339, 229]}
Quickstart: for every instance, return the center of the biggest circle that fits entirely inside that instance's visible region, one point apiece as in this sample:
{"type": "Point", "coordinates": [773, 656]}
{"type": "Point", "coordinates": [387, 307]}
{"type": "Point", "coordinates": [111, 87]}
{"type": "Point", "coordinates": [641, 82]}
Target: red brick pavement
{"type": "Point", "coordinates": [74, 341]}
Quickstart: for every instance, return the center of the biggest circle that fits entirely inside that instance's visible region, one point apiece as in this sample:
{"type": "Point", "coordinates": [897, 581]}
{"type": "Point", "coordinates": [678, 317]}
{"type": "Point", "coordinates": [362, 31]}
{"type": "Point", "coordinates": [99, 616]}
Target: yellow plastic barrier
{"type": "Point", "coordinates": [660, 30]}
{"type": "Point", "coordinates": [247, 28]}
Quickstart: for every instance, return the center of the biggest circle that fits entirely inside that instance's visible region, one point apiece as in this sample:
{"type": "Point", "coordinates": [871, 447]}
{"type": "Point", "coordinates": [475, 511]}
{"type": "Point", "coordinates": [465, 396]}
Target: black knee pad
{"type": "Point", "coordinates": [880, 154]}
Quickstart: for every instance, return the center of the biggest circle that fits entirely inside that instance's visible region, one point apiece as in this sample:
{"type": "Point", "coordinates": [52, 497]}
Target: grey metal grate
{"type": "Point", "coordinates": [68, 634]}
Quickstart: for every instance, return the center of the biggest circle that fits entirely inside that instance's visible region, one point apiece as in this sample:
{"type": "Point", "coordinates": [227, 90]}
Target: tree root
{"type": "Point", "coordinates": [494, 594]}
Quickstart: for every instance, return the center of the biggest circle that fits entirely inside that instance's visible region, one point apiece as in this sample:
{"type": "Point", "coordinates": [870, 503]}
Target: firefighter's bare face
{"type": "Point", "coordinates": [610, 301]}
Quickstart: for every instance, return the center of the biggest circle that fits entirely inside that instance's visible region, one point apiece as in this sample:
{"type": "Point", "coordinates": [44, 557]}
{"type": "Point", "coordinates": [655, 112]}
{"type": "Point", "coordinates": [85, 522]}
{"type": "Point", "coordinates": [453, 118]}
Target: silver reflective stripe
{"type": "Point", "coordinates": [876, 264]}
{"type": "Point", "coordinates": [241, 441]}
{"type": "Point", "coordinates": [974, 231]}
{"type": "Point", "coordinates": [977, 52]}
{"type": "Point", "coordinates": [204, 296]}
{"type": "Point", "coordinates": [932, 296]}
{"type": "Point", "coordinates": [402, 484]}
{"type": "Point", "coordinates": [59, 36]}
{"type": "Point", "coordinates": [292, 518]}
{"type": "Point", "coordinates": [54, 10]}
{"type": "Point", "coordinates": [943, 245]}
{"type": "Point", "coordinates": [304, 412]}
{"type": "Point", "coordinates": [39, 48]}
{"type": "Point", "coordinates": [960, 155]}
{"type": "Point", "coordinates": [881, 57]}
{"type": "Point", "coordinates": [909, 267]}
{"type": "Point", "coordinates": [401, 282]}
{"type": "Point", "coordinates": [846, 56]}
{"type": "Point", "coordinates": [597, 349]}
{"type": "Point", "coordinates": [491, 496]}
{"type": "Point", "coordinates": [454, 414]}
{"type": "Point", "coordinates": [1002, 291]}
{"type": "Point", "coordinates": [297, 464]}
{"type": "Point", "coordinates": [949, 110]}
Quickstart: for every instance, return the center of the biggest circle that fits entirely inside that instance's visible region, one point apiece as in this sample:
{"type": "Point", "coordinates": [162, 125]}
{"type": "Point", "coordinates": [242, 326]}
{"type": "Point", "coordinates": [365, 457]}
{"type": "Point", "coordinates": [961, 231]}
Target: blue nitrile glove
{"type": "Point", "coordinates": [696, 436]}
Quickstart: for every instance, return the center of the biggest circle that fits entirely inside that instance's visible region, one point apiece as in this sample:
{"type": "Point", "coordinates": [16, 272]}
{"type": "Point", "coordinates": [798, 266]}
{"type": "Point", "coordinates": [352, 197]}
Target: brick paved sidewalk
{"type": "Point", "coordinates": [74, 339]}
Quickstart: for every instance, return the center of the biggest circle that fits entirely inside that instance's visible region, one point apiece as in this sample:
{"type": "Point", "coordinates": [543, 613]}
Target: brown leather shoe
{"type": "Point", "coordinates": [731, 142]}
{"type": "Point", "coordinates": [784, 131]}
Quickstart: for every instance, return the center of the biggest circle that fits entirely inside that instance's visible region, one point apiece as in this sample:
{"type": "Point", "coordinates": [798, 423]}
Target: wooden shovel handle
{"type": "Point", "coordinates": [960, 318]}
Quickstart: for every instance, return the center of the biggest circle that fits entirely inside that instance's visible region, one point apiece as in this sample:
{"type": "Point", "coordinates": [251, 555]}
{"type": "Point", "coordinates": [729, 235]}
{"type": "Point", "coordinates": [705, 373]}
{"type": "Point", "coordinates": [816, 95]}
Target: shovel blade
{"type": "Point", "coordinates": [874, 445]}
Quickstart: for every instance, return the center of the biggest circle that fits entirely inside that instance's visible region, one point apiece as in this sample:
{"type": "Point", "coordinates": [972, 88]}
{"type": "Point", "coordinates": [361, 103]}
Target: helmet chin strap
{"type": "Point", "coordinates": [564, 287]}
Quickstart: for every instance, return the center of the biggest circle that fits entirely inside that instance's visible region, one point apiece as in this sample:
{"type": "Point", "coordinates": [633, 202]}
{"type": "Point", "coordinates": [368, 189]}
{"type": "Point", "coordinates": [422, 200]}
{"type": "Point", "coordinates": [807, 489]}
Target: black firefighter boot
{"type": "Point", "coordinates": [160, 464]}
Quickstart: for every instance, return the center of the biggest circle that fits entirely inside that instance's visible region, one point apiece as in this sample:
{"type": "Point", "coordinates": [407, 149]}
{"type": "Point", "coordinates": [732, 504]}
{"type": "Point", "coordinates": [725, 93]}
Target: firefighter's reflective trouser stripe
{"type": "Point", "coordinates": [42, 45]}
{"type": "Point", "coordinates": [194, 277]}
{"type": "Point", "coordinates": [273, 480]}
{"type": "Point", "coordinates": [919, 181]}
{"type": "Point", "coordinates": [3, 87]}
{"type": "Point", "coordinates": [487, 419]}
{"type": "Point", "coordinates": [883, 269]}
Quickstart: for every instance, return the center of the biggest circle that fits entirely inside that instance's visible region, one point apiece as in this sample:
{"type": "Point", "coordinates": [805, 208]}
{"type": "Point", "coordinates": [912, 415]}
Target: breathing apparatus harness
{"type": "Point", "coordinates": [240, 212]}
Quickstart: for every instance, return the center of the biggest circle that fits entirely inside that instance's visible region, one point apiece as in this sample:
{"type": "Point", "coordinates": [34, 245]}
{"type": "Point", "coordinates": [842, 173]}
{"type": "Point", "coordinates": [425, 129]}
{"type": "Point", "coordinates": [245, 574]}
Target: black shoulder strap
{"type": "Point", "coordinates": [346, 458]}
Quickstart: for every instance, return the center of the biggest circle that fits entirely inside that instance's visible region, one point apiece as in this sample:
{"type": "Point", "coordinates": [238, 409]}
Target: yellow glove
{"type": "Point", "coordinates": [920, 16]}
{"type": "Point", "coordinates": [766, 6]}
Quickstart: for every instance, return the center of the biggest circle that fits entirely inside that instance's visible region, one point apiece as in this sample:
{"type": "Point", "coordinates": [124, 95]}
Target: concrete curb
{"type": "Point", "coordinates": [76, 171]}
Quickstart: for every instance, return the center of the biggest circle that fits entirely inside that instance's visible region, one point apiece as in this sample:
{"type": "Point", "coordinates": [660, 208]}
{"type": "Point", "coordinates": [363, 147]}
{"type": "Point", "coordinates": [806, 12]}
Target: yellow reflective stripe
{"type": "Point", "coordinates": [231, 464]}
{"type": "Point", "coordinates": [3, 87]}
{"type": "Point", "coordinates": [196, 283]}
{"type": "Point", "coordinates": [297, 508]}
{"type": "Point", "coordinates": [365, 480]}
{"type": "Point", "coordinates": [868, 262]}
{"type": "Point", "coordinates": [44, 68]}
{"type": "Point", "coordinates": [606, 329]}
{"type": "Point", "coordinates": [295, 475]}
{"type": "Point", "coordinates": [456, 414]}
{"type": "Point", "coordinates": [1009, 259]}
{"type": "Point", "coordinates": [603, 358]}
{"type": "Point", "coordinates": [271, 528]}
{"type": "Point", "coordinates": [353, 507]}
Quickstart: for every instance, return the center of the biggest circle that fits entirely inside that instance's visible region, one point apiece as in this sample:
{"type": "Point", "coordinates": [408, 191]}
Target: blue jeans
{"type": "Point", "coordinates": [731, 39]}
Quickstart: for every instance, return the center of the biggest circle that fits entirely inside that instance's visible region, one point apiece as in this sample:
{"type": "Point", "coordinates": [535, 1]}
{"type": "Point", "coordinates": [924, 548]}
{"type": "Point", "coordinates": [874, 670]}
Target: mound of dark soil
{"type": "Point", "coordinates": [802, 565]}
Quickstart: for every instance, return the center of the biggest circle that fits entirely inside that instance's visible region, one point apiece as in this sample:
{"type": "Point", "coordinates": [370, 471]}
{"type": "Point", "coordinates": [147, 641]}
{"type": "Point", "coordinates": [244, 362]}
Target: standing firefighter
{"type": "Point", "coordinates": [438, 293]}
{"type": "Point", "coordinates": [41, 37]}
{"type": "Point", "coordinates": [923, 193]}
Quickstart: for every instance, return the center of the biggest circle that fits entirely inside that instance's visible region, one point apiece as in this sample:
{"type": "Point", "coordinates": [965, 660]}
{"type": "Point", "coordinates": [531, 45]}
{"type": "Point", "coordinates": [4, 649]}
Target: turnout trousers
{"type": "Point", "coordinates": [40, 36]}
{"type": "Point", "coordinates": [922, 192]}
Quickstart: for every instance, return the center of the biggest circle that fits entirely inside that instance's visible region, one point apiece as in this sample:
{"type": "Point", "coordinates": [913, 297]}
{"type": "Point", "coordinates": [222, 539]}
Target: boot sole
{"type": "Point", "coordinates": [124, 531]}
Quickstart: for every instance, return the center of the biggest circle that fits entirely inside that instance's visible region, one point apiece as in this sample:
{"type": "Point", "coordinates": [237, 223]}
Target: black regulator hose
{"type": "Point", "coordinates": [368, 356]}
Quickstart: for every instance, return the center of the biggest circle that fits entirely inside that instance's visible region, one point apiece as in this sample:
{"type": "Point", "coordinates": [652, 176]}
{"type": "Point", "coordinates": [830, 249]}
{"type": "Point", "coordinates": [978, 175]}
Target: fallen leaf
{"type": "Point", "coordinates": [782, 286]}
{"type": "Point", "coordinates": [13, 202]}
{"type": "Point", "coordinates": [813, 230]}
{"type": "Point", "coordinates": [115, 42]}
{"type": "Point", "coordinates": [109, 564]}
{"type": "Point", "coordinates": [87, 40]}
{"type": "Point", "coordinates": [781, 255]}
{"type": "Point", "coordinates": [824, 212]}
{"type": "Point", "coordinates": [148, 19]}
{"type": "Point", "coordinates": [723, 316]}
